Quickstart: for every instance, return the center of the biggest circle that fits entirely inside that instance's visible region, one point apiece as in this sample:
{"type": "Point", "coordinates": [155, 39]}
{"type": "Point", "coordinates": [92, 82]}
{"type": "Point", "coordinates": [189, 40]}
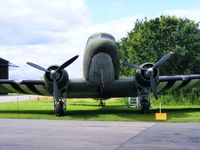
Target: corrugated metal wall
{"type": "Point", "coordinates": [3, 69]}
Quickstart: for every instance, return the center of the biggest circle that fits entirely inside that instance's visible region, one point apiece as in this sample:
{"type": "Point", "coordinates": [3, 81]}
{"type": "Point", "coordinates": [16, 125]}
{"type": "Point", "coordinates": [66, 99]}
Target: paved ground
{"type": "Point", "coordinates": [166, 136]}
{"type": "Point", "coordinates": [24, 134]}
{"type": "Point", "coordinates": [11, 98]}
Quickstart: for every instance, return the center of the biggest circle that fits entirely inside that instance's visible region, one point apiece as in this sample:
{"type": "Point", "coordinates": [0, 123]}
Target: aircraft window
{"type": "Point", "coordinates": [94, 38]}
{"type": "Point", "coordinates": [108, 37]}
{"type": "Point", "coordinates": [101, 36]}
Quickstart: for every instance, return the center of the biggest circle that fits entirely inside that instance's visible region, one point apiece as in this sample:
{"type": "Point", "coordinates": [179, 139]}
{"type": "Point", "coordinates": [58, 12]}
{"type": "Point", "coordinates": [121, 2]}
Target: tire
{"type": "Point", "coordinates": [59, 109]}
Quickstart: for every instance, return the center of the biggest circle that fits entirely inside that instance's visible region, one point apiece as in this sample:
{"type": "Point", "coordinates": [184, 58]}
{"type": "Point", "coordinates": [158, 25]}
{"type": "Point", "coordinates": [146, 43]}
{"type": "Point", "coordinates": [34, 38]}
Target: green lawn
{"type": "Point", "coordinates": [114, 111]}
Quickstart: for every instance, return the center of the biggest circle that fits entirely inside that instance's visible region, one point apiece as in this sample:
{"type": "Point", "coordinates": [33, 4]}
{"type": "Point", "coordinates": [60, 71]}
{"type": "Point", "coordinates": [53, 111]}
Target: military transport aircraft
{"type": "Point", "coordinates": [101, 77]}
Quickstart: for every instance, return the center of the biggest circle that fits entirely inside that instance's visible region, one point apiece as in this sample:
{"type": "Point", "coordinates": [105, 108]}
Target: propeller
{"type": "Point", "coordinates": [54, 74]}
{"type": "Point", "coordinates": [133, 66]}
{"type": "Point", "coordinates": [149, 72]}
{"type": "Point", "coordinates": [37, 67]}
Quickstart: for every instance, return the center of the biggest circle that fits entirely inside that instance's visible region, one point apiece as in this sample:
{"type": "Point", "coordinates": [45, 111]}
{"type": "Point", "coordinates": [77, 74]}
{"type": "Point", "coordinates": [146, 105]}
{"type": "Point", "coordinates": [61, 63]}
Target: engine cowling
{"type": "Point", "coordinates": [62, 78]}
{"type": "Point", "coordinates": [142, 77]}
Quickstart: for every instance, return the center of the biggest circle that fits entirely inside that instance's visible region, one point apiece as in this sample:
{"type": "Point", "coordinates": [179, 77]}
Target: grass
{"type": "Point", "coordinates": [89, 110]}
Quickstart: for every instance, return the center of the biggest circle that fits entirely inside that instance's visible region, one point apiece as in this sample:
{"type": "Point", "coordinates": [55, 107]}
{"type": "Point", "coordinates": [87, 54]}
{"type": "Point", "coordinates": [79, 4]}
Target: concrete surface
{"type": "Point", "coordinates": [25, 134]}
{"type": "Point", "coordinates": [166, 136]}
{"type": "Point", "coordinates": [12, 98]}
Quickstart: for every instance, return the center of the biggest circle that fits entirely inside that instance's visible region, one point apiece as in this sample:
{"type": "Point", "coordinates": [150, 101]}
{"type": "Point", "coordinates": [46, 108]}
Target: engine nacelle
{"type": "Point", "coordinates": [143, 78]}
{"type": "Point", "coordinates": [62, 78]}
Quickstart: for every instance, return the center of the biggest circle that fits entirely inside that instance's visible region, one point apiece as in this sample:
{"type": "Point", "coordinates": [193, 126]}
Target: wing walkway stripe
{"type": "Point", "coordinates": [175, 86]}
{"type": "Point", "coordinates": [161, 85]}
{"type": "Point", "coordinates": [169, 85]}
{"type": "Point", "coordinates": [26, 89]}
{"type": "Point", "coordinates": [184, 83]}
{"type": "Point", "coordinates": [13, 88]}
{"type": "Point", "coordinates": [191, 84]}
{"type": "Point", "coordinates": [42, 89]}
{"type": "Point", "coordinates": [32, 88]}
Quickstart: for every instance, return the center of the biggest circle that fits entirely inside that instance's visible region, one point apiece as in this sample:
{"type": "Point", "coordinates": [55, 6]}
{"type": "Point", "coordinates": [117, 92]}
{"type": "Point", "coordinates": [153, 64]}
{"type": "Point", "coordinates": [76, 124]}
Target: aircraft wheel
{"type": "Point", "coordinates": [59, 111]}
{"type": "Point", "coordinates": [145, 110]}
{"type": "Point", "coordinates": [145, 105]}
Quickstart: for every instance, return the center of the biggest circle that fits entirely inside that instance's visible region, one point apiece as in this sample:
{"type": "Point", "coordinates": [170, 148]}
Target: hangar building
{"type": "Point", "coordinates": [4, 69]}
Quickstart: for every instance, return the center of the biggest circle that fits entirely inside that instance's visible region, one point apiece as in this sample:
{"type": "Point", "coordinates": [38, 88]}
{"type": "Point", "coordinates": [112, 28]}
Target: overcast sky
{"type": "Point", "coordinates": [49, 32]}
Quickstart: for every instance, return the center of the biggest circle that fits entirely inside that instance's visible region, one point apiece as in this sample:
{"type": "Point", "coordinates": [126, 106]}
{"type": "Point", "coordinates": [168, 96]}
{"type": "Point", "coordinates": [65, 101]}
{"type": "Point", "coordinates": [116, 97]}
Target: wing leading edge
{"type": "Point", "coordinates": [123, 87]}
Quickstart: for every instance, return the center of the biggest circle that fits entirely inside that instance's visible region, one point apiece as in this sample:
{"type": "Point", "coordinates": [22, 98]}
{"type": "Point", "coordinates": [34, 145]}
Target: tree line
{"type": "Point", "coordinates": [150, 40]}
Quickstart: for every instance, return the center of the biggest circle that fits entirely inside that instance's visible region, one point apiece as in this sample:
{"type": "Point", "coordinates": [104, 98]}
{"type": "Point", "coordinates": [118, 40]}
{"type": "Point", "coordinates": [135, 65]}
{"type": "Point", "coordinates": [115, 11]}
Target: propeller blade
{"type": "Point", "coordinates": [55, 90]}
{"type": "Point", "coordinates": [153, 87]}
{"type": "Point", "coordinates": [133, 66]}
{"type": "Point", "coordinates": [67, 63]}
{"type": "Point", "coordinates": [162, 60]}
{"type": "Point", "coordinates": [37, 67]}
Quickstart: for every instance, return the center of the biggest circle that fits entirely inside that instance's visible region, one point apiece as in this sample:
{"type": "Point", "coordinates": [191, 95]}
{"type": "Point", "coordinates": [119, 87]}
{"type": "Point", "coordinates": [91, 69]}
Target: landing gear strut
{"type": "Point", "coordinates": [101, 103]}
{"type": "Point", "coordinates": [60, 107]}
{"type": "Point", "coordinates": [144, 105]}
{"type": "Point", "coordinates": [143, 100]}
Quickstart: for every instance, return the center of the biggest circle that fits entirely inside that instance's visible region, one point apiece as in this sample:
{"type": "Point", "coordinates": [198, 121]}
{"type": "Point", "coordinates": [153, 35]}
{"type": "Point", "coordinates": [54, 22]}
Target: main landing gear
{"type": "Point", "coordinates": [60, 107]}
{"type": "Point", "coordinates": [142, 102]}
{"type": "Point", "coordinates": [144, 105]}
{"type": "Point", "coordinates": [101, 103]}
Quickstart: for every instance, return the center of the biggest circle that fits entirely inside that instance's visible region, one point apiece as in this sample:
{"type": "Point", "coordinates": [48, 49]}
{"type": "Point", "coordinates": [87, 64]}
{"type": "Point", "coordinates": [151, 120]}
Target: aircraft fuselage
{"type": "Point", "coordinates": [101, 59]}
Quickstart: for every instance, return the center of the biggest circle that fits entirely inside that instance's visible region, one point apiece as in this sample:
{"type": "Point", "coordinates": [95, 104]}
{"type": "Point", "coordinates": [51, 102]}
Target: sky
{"type": "Point", "coordinates": [49, 32]}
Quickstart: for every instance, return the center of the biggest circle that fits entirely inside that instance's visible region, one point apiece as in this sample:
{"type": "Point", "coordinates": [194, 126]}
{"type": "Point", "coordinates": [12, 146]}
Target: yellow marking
{"type": "Point", "coordinates": [157, 100]}
{"type": "Point", "coordinates": [171, 52]}
{"type": "Point", "coordinates": [161, 116]}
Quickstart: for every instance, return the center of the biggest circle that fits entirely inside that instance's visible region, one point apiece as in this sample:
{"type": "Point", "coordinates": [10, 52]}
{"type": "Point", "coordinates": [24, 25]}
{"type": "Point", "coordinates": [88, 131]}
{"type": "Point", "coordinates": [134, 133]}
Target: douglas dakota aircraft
{"type": "Point", "coordinates": [101, 77]}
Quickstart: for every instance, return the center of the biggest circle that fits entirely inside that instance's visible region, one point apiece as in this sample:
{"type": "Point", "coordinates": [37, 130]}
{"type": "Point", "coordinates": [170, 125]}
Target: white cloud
{"type": "Point", "coordinates": [43, 32]}
{"type": "Point", "coordinates": [40, 22]}
{"type": "Point", "coordinates": [193, 14]}
{"type": "Point", "coordinates": [118, 28]}
{"type": "Point", "coordinates": [49, 34]}
{"type": "Point", "coordinates": [44, 55]}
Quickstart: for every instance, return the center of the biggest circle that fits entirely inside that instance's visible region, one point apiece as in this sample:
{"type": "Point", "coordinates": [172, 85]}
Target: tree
{"type": "Point", "coordinates": [151, 39]}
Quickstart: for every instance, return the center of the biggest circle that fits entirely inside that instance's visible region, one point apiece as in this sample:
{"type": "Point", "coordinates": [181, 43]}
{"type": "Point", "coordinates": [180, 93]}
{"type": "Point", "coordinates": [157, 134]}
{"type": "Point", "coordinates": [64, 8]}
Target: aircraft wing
{"type": "Point", "coordinates": [33, 87]}
{"type": "Point", "coordinates": [127, 87]}
{"type": "Point", "coordinates": [77, 88]}
{"type": "Point", "coordinates": [123, 87]}
{"type": "Point", "coordinates": [170, 83]}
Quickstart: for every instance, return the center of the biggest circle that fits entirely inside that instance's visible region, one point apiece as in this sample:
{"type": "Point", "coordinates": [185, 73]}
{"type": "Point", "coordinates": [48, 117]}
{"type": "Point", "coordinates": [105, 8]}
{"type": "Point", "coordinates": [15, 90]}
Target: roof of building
{"type": "Point", "coordinates": [3, 61]}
